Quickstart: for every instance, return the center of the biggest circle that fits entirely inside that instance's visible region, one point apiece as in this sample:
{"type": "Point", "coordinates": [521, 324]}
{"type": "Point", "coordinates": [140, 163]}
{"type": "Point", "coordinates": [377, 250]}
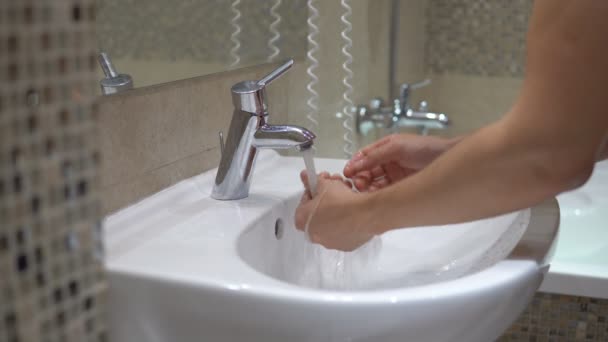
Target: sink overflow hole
{"type": "Point", "coordinates": [278, 229]}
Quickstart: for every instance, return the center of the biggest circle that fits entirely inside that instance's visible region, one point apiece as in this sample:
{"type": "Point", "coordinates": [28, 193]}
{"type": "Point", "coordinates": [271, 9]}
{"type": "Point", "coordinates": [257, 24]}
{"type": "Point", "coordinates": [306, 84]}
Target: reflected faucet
{"type": "Point", "coordinates": [401, 113]}
{"type": "Point", "coordinates": [249, 131]}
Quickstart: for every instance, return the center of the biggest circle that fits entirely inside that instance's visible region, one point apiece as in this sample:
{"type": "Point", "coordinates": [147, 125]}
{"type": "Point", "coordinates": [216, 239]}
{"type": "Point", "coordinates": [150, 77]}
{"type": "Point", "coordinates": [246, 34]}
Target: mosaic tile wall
{"type": "Point", "coordinates": [51, 278]}
{"type": "Point", "coordinates": [198, 30]}
{"type": "Point", "coordinates": [477, 37]}
{"type": "Point", "coordinates": [559, 318]}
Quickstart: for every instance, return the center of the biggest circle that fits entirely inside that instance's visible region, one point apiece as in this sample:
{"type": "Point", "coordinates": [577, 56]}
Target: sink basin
{"type": "Point", "coordinates": [401, 258]}
{"type": "Point", "coordinates": [185, 267]}
{"type": "Point", "coordinates": [584, 208]}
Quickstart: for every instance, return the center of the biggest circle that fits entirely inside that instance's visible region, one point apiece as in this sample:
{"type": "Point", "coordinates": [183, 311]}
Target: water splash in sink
{"type": "Point", "coordinates": [314, 266]}
{"type": "Point", "coordinates": [401, 258]}
{"type": "Point", "coordinates": [324, 268]}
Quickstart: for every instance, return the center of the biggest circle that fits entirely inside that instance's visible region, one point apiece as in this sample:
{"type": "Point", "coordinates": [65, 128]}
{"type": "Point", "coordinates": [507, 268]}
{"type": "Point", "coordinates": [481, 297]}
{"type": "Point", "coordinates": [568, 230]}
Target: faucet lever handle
{"type": "Point", "coordinates": [276, 73]}
{"type": "Point", "coordinates": [420, 84]}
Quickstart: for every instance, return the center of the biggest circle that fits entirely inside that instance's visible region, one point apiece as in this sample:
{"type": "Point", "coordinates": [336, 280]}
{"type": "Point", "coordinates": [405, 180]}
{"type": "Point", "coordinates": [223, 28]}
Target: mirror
{"type": "Point", "coordinates": [475, 62]}
{"type": "Point", "coordinates": [158, 41]}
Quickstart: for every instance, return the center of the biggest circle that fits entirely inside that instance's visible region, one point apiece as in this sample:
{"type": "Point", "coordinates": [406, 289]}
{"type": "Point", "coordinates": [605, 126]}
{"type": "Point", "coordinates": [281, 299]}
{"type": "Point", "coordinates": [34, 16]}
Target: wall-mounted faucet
{"type": "Point", "coordinates": [249, 130]}
{"type": "Point", "coordinates": [401, 113]}
{"type": "Point", "coordinates": [113, 82]}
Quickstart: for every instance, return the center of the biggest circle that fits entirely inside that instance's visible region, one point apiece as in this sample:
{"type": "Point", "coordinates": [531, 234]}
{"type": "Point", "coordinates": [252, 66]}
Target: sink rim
{"type": "Point", "coordinates": [531, 253]}
{"type": "Point", "coordinates": [498, 276]}
{"type": "Point", "coordinates": [522, 261]}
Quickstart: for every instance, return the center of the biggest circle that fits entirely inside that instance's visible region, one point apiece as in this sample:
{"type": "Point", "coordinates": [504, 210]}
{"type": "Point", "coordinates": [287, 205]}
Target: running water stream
{"type": "Point", "coordinates": [309, 162]}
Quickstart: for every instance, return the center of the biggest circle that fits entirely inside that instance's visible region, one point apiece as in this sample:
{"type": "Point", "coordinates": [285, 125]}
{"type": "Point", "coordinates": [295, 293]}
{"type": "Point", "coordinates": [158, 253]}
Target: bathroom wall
{"type": "Point", "coordinates": [152, 57]}
{"type": "Point", "coordinates": [52, 285]}
{"type": "Point", "coordinates": [472, 50]}
{"type": "Point", "coordinates": [475, 54]}
{"type": "Point", "coordinates": [153, 137]}
{"type": "Point", "coordinates": [370, 68]}
{"type": "Point", "coordinates": [158, 41]}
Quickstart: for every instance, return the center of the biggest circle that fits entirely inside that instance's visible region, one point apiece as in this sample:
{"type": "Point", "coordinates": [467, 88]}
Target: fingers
{"type": "Point", "coordinates": [378, 172]}
{"type": "Point", "coordinates": [361, 183]}
{"type": "Point", "coordinates": [379, 184]}
{"type": "Point", "coordinates": [373, 156]}
{"type": "Point", "coordinates": [305, 197]}
{"type": "Point", "coordinates": [321, 177]}
{"type": "Point", "coordinates": [364, 179]}
{"type": "Point", "coordinates": [306, 201]}
{"type": "Point", "coordinates": [302, 213]}
{"type": "Point", "coordinates": [338, 177]}
{"type": "Point", "coordinates": [349, 170]}
{"type": "Point", "coordinates": [377, 157]}
{"type": "Point", "coordinates": [304, 178]}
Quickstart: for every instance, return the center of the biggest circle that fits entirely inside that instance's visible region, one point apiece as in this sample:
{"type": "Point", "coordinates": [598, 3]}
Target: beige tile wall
{"type": "Point", "coordinates": [154, 137]}
{"type": "Point", "coordinates": [52, 283]}
{"type": "Point", "coordinates": [412, 39]}
{"type": "Point", "coordinates": [470, 101]}
{"type": "Point", "coordinates": [181, 35]}
{"type": "Point", "coordinates": [370, 66]}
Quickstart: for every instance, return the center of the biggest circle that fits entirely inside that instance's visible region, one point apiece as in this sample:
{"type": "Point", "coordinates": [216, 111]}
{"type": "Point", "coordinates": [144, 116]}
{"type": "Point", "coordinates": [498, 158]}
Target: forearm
{"type": "Point", "coordinates": [546, 144]}
{"type": "Point", "coordinates": [494, 171]}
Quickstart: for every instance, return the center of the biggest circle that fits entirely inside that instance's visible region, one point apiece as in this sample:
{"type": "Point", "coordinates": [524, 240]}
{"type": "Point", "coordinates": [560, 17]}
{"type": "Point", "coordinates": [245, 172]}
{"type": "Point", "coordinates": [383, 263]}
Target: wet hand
{"type": "Point", "coordinates": [333, 218]}
{"type": "Point", "coordinates": [393, 158]}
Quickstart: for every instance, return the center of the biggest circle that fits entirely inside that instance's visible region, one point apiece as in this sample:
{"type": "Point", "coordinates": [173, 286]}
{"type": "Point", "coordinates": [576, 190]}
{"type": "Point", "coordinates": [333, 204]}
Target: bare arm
{"type": "Point", "coordinates": [546, 144]}
{"type": "Point", "coordinates": [603, 155]}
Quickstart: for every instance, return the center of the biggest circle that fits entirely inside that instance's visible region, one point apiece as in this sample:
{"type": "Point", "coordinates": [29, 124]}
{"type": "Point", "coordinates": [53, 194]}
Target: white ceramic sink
{"type": "Point", "coordinates": [184, 267]}
{"type": "Point", "coordinates": [580, 265]}
{"type": "Point", "coordinates": [585, 209]}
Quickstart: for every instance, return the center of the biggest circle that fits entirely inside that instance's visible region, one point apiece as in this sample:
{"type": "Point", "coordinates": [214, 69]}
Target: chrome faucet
{"type": "Point", "coordinates": [401, 113]}
{"type": "Point", "coordinates": [249, 130]}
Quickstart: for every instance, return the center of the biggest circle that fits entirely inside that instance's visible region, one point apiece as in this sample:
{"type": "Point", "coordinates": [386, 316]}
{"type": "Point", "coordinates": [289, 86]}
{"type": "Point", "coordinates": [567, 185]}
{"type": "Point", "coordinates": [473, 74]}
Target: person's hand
{"type": "Point", "coordinates": [393, 158]}
{"type": "Point", "coordinates": [332, 218]}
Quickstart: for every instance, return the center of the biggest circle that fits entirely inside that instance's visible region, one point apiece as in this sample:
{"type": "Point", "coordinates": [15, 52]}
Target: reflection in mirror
{"type": "Point", "coordinates": [157, 41]}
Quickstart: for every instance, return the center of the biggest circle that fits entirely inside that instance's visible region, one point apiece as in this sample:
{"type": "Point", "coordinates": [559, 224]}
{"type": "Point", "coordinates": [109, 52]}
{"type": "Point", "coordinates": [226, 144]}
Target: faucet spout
{"type": "Point", "coordinates": [249, 131]}
{"type": "Point", "coordinates": [283, 137]}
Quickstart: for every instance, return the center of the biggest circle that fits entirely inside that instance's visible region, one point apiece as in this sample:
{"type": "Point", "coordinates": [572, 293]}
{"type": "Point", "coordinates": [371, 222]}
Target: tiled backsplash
{"type": "Point", "coordinates": [477, 37]}
{"type": "Point", "coordinates": [154, 137]}
{"type": "Point", "coordinates": [560, 318]}
{"type": "Point", "coordinates": [51, 280]}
